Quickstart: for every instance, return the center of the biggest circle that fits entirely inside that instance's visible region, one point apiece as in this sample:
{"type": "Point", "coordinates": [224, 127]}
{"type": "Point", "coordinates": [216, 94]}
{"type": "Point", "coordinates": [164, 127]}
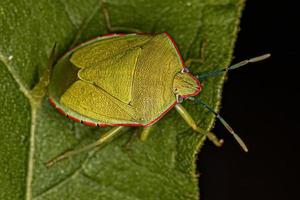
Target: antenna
{"type": "Point", "coordinates": [222, 120]}
{"type": "Point", "coordinates": [235, 66]}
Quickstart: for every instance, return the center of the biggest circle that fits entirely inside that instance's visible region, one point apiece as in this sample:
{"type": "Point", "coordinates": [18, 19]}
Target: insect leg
{"type": "Point", "coordinates": [130, 140]}
{"type": "Point", "coordinates": [191, 122]}
{"type": "Point", "coordinates": [146, 132]}
{"type": "Point", "coordinates": [189, 61]}
{"type": "Point", "coordinates": [200, 60]}
{"type": "Point", "coordinates": [102, 140]}
{"type": "Point", "coordinates": [115, 29]}
{"type": "Point", "coordinates": [143, 135]}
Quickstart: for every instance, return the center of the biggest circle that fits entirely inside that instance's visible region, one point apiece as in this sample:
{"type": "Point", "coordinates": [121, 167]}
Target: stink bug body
{"type": "Point", "coordinates": [127, 80]}
{"type": "Point", "coordinates": [121, 80]}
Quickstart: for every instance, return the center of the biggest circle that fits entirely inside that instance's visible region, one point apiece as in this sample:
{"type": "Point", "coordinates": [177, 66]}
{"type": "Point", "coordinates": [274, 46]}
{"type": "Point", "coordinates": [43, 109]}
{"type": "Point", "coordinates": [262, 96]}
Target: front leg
{"type": "Point", "coordinates": [200, 60]}
{"type": "Point", "coordinates": [115, 29]}
{"type": "Point", "coordinates": [191, 122]}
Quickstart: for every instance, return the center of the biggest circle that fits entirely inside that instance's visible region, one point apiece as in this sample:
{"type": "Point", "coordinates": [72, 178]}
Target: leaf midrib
{"type": "Point", "coordinates": [34, 106]}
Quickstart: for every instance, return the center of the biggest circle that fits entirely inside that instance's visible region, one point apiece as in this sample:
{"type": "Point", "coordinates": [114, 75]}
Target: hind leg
{"type": "Point", "coordinates": [104, 138]}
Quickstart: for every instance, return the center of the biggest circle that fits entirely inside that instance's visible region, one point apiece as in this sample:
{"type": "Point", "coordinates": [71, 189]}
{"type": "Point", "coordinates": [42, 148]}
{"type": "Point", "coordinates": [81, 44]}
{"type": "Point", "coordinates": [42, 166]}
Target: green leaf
{"type": "Point", "coordinates": [32, 132]}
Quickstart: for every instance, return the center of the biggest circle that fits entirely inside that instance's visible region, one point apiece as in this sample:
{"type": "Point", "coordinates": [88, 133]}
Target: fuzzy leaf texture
{"type": "Point", "coordinates": [32, 132]}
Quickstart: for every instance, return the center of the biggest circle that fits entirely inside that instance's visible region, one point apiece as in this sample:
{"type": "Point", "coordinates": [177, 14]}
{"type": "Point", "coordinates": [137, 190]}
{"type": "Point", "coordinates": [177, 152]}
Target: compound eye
{"type": "Point", "coordinates": [179, 98]}
{"type": "Point", "coordinates": [185, 70]}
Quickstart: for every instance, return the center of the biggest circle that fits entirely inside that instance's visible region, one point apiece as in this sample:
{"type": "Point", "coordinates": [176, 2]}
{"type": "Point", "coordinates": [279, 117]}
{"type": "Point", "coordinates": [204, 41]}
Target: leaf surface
{"type": "Point", "coordinates": [32, 132]}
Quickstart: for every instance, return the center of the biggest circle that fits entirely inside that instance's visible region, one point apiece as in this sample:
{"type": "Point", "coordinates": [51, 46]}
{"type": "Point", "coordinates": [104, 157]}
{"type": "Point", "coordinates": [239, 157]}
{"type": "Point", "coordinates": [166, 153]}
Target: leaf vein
{"type": "Point", "coordinates": [30, 163]}
{"type": "Point", "coordinates": [59, 184]}
{"type": "Point", "coordinates": [17, 79]}
{"type": "Point", "coordinates": [26, 92]}
{"type": "Point", "coordinates": [109, 186]}
{"type": "Point", "coordinates": [77, 171]}
{"type": "Point", "coordinates": [68, 14]}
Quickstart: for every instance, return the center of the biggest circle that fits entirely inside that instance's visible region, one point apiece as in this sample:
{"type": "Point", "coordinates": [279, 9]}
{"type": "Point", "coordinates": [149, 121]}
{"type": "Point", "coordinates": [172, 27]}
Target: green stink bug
{"type": "Point", "coordinates": [127, 80]}
{"type": "Point", "coordinates": [120, 80]}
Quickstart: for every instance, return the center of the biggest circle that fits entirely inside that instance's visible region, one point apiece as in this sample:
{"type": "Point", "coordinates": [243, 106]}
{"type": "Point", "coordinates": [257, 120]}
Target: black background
{"type": "Point", "coordinates": [260, 101]}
